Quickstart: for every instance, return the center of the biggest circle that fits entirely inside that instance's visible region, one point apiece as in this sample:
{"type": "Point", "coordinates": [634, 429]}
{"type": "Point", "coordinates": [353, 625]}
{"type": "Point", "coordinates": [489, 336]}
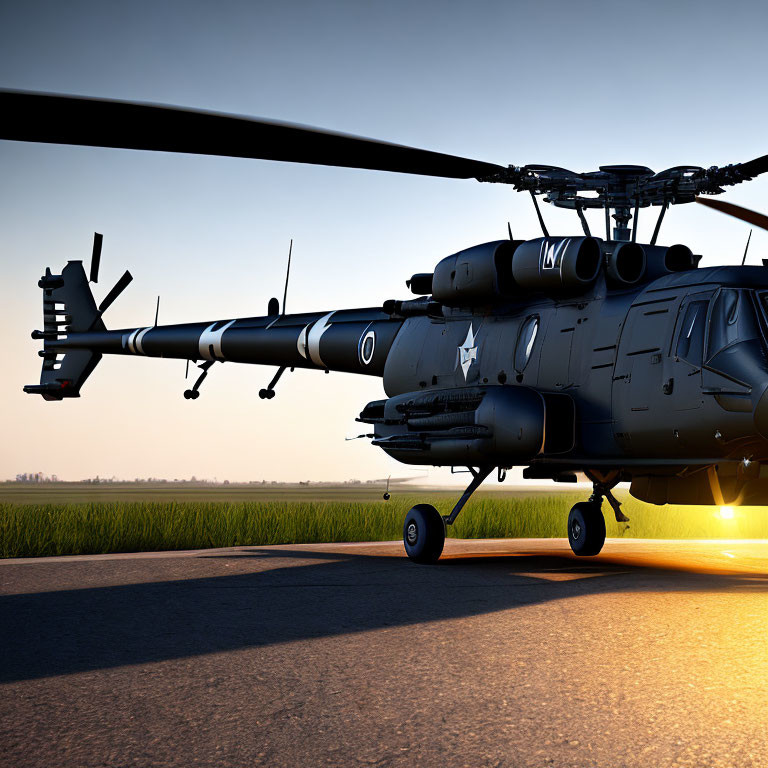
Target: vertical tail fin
{"type": "Point", "coordinates": [68, 307]}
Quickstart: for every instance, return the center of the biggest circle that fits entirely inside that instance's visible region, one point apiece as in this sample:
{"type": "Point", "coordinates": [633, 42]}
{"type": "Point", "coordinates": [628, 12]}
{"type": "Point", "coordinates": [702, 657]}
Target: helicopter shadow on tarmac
{"type": "Point", "coordinates": [282, 600]}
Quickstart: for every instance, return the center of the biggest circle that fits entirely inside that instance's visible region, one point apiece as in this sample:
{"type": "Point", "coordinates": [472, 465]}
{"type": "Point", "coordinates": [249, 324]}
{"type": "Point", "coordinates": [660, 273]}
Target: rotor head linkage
{"type": "Point", "coordinates": [622, 188]}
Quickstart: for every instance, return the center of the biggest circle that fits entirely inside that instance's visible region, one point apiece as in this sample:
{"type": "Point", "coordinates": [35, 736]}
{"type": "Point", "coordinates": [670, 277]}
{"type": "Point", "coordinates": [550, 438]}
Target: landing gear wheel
{"type": "Point", "coordinates": [586, 528]}
{"type": "Point", "coordinates": [424, 534]}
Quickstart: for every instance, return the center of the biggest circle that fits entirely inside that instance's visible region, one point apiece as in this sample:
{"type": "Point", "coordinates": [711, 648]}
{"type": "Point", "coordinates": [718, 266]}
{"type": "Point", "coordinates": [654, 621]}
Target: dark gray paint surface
{"type": "Point", "coordinates": [645, 400]}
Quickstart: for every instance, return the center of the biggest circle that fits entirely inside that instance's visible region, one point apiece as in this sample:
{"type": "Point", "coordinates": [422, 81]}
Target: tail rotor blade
{"type": "Point", "coordinates": [96, 257]}
{"type": "Point", "coordinates": [120, 286]}
{"type": "Point", "coordinates": [744, 214]}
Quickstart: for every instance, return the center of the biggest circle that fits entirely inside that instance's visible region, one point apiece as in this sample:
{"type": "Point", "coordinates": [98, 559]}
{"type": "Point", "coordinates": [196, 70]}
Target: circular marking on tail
{"type": "Point", "coordinates": [367, 347]}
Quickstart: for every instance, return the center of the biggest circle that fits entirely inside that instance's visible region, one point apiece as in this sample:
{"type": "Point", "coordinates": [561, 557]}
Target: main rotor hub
{"type": "Point", "coordinates": [620, 187]}
{"type": "Point", "coordinates": [617, 186]}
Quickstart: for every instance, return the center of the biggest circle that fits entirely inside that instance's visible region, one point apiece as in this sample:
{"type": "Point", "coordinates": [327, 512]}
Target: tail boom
{"type": "Point", "coordinates": [352, 341]}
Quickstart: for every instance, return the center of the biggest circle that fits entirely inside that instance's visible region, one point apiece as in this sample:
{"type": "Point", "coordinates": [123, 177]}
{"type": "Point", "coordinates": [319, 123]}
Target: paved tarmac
{"type": "Point", "coordinates": [507, 653]}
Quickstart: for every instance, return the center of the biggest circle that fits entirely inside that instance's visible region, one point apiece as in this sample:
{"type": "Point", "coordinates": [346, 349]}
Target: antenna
{"type": "Point", "coordinates": [287, 274]}
{"type": "Point", "coordinates": [509, 229]}
{"type": "Point", "coordinates": [747, 248]}
{"type": "Point", "coordinates": [538, 213]}
{"type": "Point", "coordinates": [157, 310]}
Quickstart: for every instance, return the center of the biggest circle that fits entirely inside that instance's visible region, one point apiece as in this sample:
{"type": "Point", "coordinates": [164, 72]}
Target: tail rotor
{"type": "Point", "coordinates": [69, 307]}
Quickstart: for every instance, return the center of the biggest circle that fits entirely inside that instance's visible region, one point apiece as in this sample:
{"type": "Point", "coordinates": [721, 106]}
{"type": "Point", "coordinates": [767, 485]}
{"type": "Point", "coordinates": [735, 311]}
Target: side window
{"type": "Point", "coordinates": [732, 320]}
{"type": "Point", "coordinates": [690, 341]}
{"type": "Point", "coordinates": [724, 322]}
{"type": "Point", "coordinates": [525, 341]}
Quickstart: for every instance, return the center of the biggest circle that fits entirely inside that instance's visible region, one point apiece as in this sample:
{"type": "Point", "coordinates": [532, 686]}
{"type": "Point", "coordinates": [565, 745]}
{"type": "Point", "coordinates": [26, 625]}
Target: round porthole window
{"type": "Point", "coordinates": [367, 347]}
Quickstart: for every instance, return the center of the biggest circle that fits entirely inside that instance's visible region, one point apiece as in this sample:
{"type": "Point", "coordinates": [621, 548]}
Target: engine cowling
{"type": "Point", "coordinates": [625, 265]}
{"type": "Point", "coordinates": [664, 260]}
{"type": "Point", "coordinates": [478, 275]}
{"type": "Point", "coordinates": [557, 264]}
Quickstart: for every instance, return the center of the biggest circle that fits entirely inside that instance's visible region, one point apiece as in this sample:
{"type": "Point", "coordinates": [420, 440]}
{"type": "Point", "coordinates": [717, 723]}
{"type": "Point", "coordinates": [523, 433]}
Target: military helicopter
{"type": "Point", "coordinates": [620, 360]}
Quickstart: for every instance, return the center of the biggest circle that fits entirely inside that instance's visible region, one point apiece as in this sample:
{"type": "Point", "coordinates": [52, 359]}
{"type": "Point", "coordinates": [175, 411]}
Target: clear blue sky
{"type": "Point", "coordinates": [572, 84]}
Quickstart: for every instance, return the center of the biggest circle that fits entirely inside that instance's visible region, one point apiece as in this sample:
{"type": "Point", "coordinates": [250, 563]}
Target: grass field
{"type": "Point", "coordinates": [281, 515]}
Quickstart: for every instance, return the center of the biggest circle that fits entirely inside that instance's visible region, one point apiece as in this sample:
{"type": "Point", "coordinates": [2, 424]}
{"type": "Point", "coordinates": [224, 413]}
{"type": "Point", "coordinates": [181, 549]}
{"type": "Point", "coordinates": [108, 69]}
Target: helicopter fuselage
{"type": "Point", "coordinates": [559, 354]}
{"type": "Point", "coordinates": [661, 382]}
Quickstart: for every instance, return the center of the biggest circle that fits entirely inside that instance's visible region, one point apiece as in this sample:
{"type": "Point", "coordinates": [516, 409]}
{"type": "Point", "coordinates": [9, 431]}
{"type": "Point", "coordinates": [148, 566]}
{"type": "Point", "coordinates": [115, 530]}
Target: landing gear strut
{"type": "Point", "coordinates": [586, 525]}
{"type": "Point", "coordinates": [269, 392]}
{"type": "Point", "coordinates": [424, 528]}
{"type": "Point", "coordinates": [194, 393]}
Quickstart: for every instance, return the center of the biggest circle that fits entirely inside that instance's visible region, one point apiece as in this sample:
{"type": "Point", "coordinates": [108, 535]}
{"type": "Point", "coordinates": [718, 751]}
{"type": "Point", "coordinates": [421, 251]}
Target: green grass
{"type": "Point", "coordinates": [43, 529]}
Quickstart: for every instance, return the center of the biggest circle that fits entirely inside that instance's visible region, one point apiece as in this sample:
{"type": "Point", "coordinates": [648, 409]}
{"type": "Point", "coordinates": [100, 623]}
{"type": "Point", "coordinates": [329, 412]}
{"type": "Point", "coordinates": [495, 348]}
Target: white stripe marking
{"type": "Point", "coordinates": [301, 343]}
{"type": "Point", "coordinates": [131, 340]}
{"type": "Point", "coordinates": [212, 339]}
{"type": "Point", "coordinates": [140, 339]}
{"type": "Point", "coordinates": [314, 336]}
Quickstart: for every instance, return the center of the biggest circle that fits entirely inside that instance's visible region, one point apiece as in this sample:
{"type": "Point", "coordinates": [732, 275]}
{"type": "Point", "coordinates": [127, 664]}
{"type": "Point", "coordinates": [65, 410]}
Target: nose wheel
{"type": "Point", "coordinates": [586, 528]}
{"type": "Point", "coordinates": [424, 534]}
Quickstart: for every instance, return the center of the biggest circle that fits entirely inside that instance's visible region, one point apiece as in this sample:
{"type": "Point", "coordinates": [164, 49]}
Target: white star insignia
{"type": "Point", "coordinates": [467, 351]}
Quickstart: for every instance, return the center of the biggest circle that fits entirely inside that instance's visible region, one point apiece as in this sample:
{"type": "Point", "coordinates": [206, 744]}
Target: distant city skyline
{"type": "Point", "coordinates": [576, 85]}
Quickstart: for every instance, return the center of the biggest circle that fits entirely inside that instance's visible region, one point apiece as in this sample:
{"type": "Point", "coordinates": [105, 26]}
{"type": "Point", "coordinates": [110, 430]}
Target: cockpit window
{"type": "Point", "coordinates": [691, 339]}
{"type": "Point", "coordinates": [732, 319]}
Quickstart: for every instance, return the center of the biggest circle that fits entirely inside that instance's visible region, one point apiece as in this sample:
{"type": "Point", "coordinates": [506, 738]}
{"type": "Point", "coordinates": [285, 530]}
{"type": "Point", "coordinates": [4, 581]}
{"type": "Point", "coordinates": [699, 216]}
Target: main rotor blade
{"type": "Point", "coordinates": [59, 119]}
{"type": "Point", "coordinates": [729, 175]}
{"type": "Point", "coordinates": [754, 167]}
{"type": "Point", "coordinates": [751, 217]}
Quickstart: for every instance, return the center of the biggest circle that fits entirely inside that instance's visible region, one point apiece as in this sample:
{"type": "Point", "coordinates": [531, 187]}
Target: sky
{"type": "Point", "coordinates": [572, 84]}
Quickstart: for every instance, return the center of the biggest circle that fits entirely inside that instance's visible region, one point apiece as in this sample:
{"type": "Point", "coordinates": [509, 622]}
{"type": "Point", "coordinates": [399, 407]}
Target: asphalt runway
{"type": "Point", "coordinates": [507, 653]}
